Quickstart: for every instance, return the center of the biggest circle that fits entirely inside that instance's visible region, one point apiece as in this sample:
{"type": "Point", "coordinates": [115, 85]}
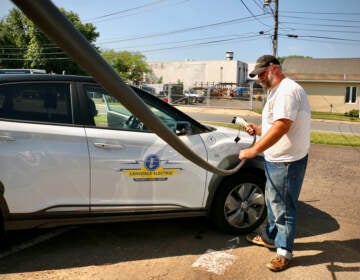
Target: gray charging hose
{"type": "Point", "coordinates": [55, 25]}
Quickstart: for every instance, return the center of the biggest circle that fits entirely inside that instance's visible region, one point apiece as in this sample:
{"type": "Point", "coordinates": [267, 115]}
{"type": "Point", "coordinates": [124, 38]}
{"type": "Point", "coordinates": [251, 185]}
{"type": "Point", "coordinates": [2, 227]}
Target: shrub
{"type": "Point", "coordinates": [352, 113]}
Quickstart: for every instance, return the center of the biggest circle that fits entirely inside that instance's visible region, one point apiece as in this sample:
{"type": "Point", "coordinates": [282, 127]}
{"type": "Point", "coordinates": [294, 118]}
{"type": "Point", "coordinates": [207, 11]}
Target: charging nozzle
{"type": "Point", "coordinates": [240, 121]}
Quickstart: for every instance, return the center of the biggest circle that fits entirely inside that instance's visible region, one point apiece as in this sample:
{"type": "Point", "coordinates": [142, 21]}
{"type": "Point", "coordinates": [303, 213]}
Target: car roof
{"type": "Point", "coordinates": [16, 78]}
{"type": "Point", "coordinates": [43, 77]}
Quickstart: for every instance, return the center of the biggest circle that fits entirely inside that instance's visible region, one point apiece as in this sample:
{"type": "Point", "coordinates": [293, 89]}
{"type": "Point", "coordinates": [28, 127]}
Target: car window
{"type": "Point", "coordinates": [41, 102]}
{"type": "Point", "coordinates": [111, 113]}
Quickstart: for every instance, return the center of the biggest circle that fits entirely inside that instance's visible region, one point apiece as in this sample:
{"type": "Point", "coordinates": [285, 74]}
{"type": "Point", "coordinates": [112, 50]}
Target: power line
{"type": "Point", "coordinates": [10, 47]}
{"type": "Point", "coordinates": [312, 24]}
{"type": "Point", "coordinates": [138, 12]}
{"type": "Point", "coordinates": [23, 53]}
{"type": "Point", "coordinates": [323, 19]}
{"type": "Point", "coordinates": [257, 3]}
{"type": "Point", "coordinates": [28, 59]}
{"type": "Point", "coordinates": [126, 10]}
{"type": "Point", "coordinates": [230, 36]}
{"type": "Point", "coordinates": [321, 37]}
{"type": "Point", "coordinates": [218, 39]}
{"type": "Point", "coordinates": [215, 42]}
{"type": "Point", "coordinates": [251, 13]}
{"type": "Point", "coordinates": [232, 21]}
{"type": "Point", "coordinates": [329, 30]}
{"type": "Point", "coordinates": [321, 13]}
{"type": "Point", "coordinates": [324, 41]}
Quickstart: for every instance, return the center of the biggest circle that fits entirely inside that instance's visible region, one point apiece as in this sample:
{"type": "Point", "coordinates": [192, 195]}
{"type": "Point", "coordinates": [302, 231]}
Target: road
{"type": "Point", "coordinates": [215, 114]}
{"type": "Point", "coordinates": [327, 244]}
{"type": "Point", "coordinates": [225, 115]}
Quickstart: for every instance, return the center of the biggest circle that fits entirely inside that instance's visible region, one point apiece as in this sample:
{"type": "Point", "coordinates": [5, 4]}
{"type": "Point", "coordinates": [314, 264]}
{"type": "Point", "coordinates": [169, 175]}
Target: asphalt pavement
{"type": "Point", "coordinates": [327, 243]}
{"type": "Point", "coordinates": [201, 112]}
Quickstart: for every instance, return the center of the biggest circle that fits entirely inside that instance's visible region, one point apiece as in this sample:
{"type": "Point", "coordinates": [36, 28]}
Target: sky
{"type": "Point", "coordinates": [178, 30]}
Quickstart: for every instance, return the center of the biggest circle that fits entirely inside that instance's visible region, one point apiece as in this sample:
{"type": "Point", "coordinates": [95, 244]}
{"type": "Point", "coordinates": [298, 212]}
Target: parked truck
{"type": "Point", "coordinates": [174, 93]}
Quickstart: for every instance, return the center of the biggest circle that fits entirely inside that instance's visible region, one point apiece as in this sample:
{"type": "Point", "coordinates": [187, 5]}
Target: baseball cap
{"type": "Point", "coordinates": [263, 62]}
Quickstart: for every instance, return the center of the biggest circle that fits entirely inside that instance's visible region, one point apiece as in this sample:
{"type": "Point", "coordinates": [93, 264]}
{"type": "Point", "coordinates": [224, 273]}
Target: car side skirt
{"type": "Point", "coordinates": [48, 220]}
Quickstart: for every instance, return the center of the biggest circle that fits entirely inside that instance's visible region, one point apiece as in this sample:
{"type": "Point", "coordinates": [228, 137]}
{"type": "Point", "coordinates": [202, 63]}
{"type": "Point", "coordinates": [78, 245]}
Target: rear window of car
{"type": "Point", "coordinates": [39, 102]}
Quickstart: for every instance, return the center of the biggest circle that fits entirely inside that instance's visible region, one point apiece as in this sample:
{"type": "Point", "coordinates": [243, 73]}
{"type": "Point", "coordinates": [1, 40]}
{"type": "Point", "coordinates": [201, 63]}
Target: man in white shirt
{"type": "Point", "coordinates": [285, 142]}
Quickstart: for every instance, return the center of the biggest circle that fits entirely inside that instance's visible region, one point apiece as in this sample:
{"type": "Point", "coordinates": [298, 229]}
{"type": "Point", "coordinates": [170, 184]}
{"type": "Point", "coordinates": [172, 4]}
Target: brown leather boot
{"type": "Point", "coordinates": [256, 238]}
{"type": "Point", "coordinates": [278, 263]}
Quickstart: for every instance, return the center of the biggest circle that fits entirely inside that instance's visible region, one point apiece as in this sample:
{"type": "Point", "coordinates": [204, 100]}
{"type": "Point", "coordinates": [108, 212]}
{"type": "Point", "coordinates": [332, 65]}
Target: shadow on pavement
{"type": "Point", "coordinates": [312, 221]}
{"type": "Point", "coordinates": [330, 252]}
{"type": "Point", "coordinates": [120, 242]}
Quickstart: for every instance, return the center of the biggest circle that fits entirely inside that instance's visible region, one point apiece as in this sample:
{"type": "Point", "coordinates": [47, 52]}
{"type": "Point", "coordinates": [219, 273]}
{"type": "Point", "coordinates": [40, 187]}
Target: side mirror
{"type": "Point", "coordinates": [183, 128]}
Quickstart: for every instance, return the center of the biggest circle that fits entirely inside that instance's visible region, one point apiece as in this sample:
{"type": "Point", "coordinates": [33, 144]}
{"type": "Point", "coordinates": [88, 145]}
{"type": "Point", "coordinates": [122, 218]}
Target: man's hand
{"type": "Point", "coordinates": [247, 153]}
{"type": "Point", "coordinates": [251, 129]}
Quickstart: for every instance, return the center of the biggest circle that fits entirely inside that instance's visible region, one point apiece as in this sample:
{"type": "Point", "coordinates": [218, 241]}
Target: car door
{"type": "Point", "coordinates": [132, 168]}
{"type": "Point", "coordinates": [44, 163]}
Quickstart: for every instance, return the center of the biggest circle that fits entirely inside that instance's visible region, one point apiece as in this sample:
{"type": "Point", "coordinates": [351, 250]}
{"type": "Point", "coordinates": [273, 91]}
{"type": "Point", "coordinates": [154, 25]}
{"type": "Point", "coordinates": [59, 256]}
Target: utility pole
{"type": "Point", "coordinates": [276, 24]}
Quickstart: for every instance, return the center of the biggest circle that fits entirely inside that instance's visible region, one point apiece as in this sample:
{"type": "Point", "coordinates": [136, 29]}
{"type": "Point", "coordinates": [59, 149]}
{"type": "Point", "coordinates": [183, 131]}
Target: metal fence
{"type": "Point", "coordinates": [246, 98]}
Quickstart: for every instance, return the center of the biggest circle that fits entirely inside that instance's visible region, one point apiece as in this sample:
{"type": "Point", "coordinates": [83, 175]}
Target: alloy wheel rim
{"type": "Point", "coordinates": [244, 205]}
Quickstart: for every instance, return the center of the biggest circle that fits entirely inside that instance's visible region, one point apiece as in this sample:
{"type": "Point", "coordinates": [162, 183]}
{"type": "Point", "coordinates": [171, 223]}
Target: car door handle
{"type": "Point", "coordinates": [109, 146]}
{"type": "Point", "coordinates": [7, 139]}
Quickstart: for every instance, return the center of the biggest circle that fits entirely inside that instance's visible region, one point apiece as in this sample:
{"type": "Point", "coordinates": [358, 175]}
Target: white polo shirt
{"type": "Point", "coordinates": [288, 101]}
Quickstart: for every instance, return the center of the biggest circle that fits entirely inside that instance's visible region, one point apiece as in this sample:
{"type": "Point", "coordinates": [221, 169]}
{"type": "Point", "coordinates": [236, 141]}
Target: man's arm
{"type": "Point", "coordinates": [277, 130]}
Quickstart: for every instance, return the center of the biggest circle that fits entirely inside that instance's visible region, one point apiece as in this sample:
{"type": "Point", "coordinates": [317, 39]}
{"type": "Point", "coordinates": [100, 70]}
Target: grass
{"type": "Point", "coordinates": [333, 116]}
{"type": "Point", "coordinates": [318, 137]}
{"type": "Point", "coordinates": [101, 120]}
{"type": "Point", "coordinates": [328, 138]}
{"type": "Point", "coordinates": [326, 116]}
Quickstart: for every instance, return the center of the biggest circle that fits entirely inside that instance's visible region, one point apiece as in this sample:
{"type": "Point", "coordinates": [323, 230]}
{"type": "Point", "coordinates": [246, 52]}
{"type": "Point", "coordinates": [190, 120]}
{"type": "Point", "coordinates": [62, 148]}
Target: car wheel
{"type": "Point", "coordinates": [2, 233]}
{"type": "Point", "coordinates": [239, 203]}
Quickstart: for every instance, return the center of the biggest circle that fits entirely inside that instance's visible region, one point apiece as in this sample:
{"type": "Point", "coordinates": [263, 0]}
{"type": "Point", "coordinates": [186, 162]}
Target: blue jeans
{"type": "Point", "coordinates": [282, 191]}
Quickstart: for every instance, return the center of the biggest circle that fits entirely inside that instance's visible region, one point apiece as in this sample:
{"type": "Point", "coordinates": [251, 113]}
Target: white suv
{"type": "Point", "coordinates": [70, 153]}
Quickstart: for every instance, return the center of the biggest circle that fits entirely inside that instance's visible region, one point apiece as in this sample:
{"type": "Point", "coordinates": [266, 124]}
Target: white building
{"type": "Point", "coordinates": [200, 73]}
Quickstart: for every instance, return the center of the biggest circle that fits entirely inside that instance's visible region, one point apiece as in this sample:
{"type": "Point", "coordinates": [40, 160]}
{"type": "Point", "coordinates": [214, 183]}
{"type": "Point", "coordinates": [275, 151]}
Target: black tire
{"type": "Point", "coordinates": [2, 233]}
{"type": "Point", "coordinates": [239, 203]}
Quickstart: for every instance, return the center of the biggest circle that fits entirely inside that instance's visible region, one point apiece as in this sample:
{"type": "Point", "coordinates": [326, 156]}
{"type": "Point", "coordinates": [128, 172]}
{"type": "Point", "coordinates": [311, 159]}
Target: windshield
{"type": "Point", "coordinates": [110, 113]}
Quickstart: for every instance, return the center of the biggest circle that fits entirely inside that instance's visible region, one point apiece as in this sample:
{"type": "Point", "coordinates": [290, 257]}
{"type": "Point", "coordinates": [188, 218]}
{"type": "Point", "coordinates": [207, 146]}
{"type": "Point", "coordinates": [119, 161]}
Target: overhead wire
{"type": "Point", "coordinates": [125, 11]}
{"type": "Point", "coordinates": [228, 22]}
{"type": "Point", "coordinates": [185, 41]}
{"type": "Point", "coordinates": [251, 13]}
{"type": "Point", "coordinates": [257, 3]}
{"type": "Point", "coordinates": [321, 19]}
{"type": "Point", "coordinates": [221, 23]}
{"type": "Point", "coordinates": [139, 12]}
{"type": "Point", "coordinates": [215, 42]}
{"type": "Point", "coordinates": [29, 59]}
{"type": "Point", "coordinates": [321, 37]}
{"type": "Point", "coordinates": [312, 24]}
{"type": "Point", "coordinates": [326, 30]}
{"type": "Point", "coordinates": [321, 13]}
{"type": "Point", "coordinates": [320, 40]}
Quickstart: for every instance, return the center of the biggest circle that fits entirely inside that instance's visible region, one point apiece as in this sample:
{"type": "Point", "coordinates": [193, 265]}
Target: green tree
{"type": "Point", "coordinates": [23, 45]}
{"type": "Point", "coordinates": [130, 66]}
{"type": "Point", "coordinates": [13, 40]}
{"type": "Point", "coordinates": [160, 80]}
